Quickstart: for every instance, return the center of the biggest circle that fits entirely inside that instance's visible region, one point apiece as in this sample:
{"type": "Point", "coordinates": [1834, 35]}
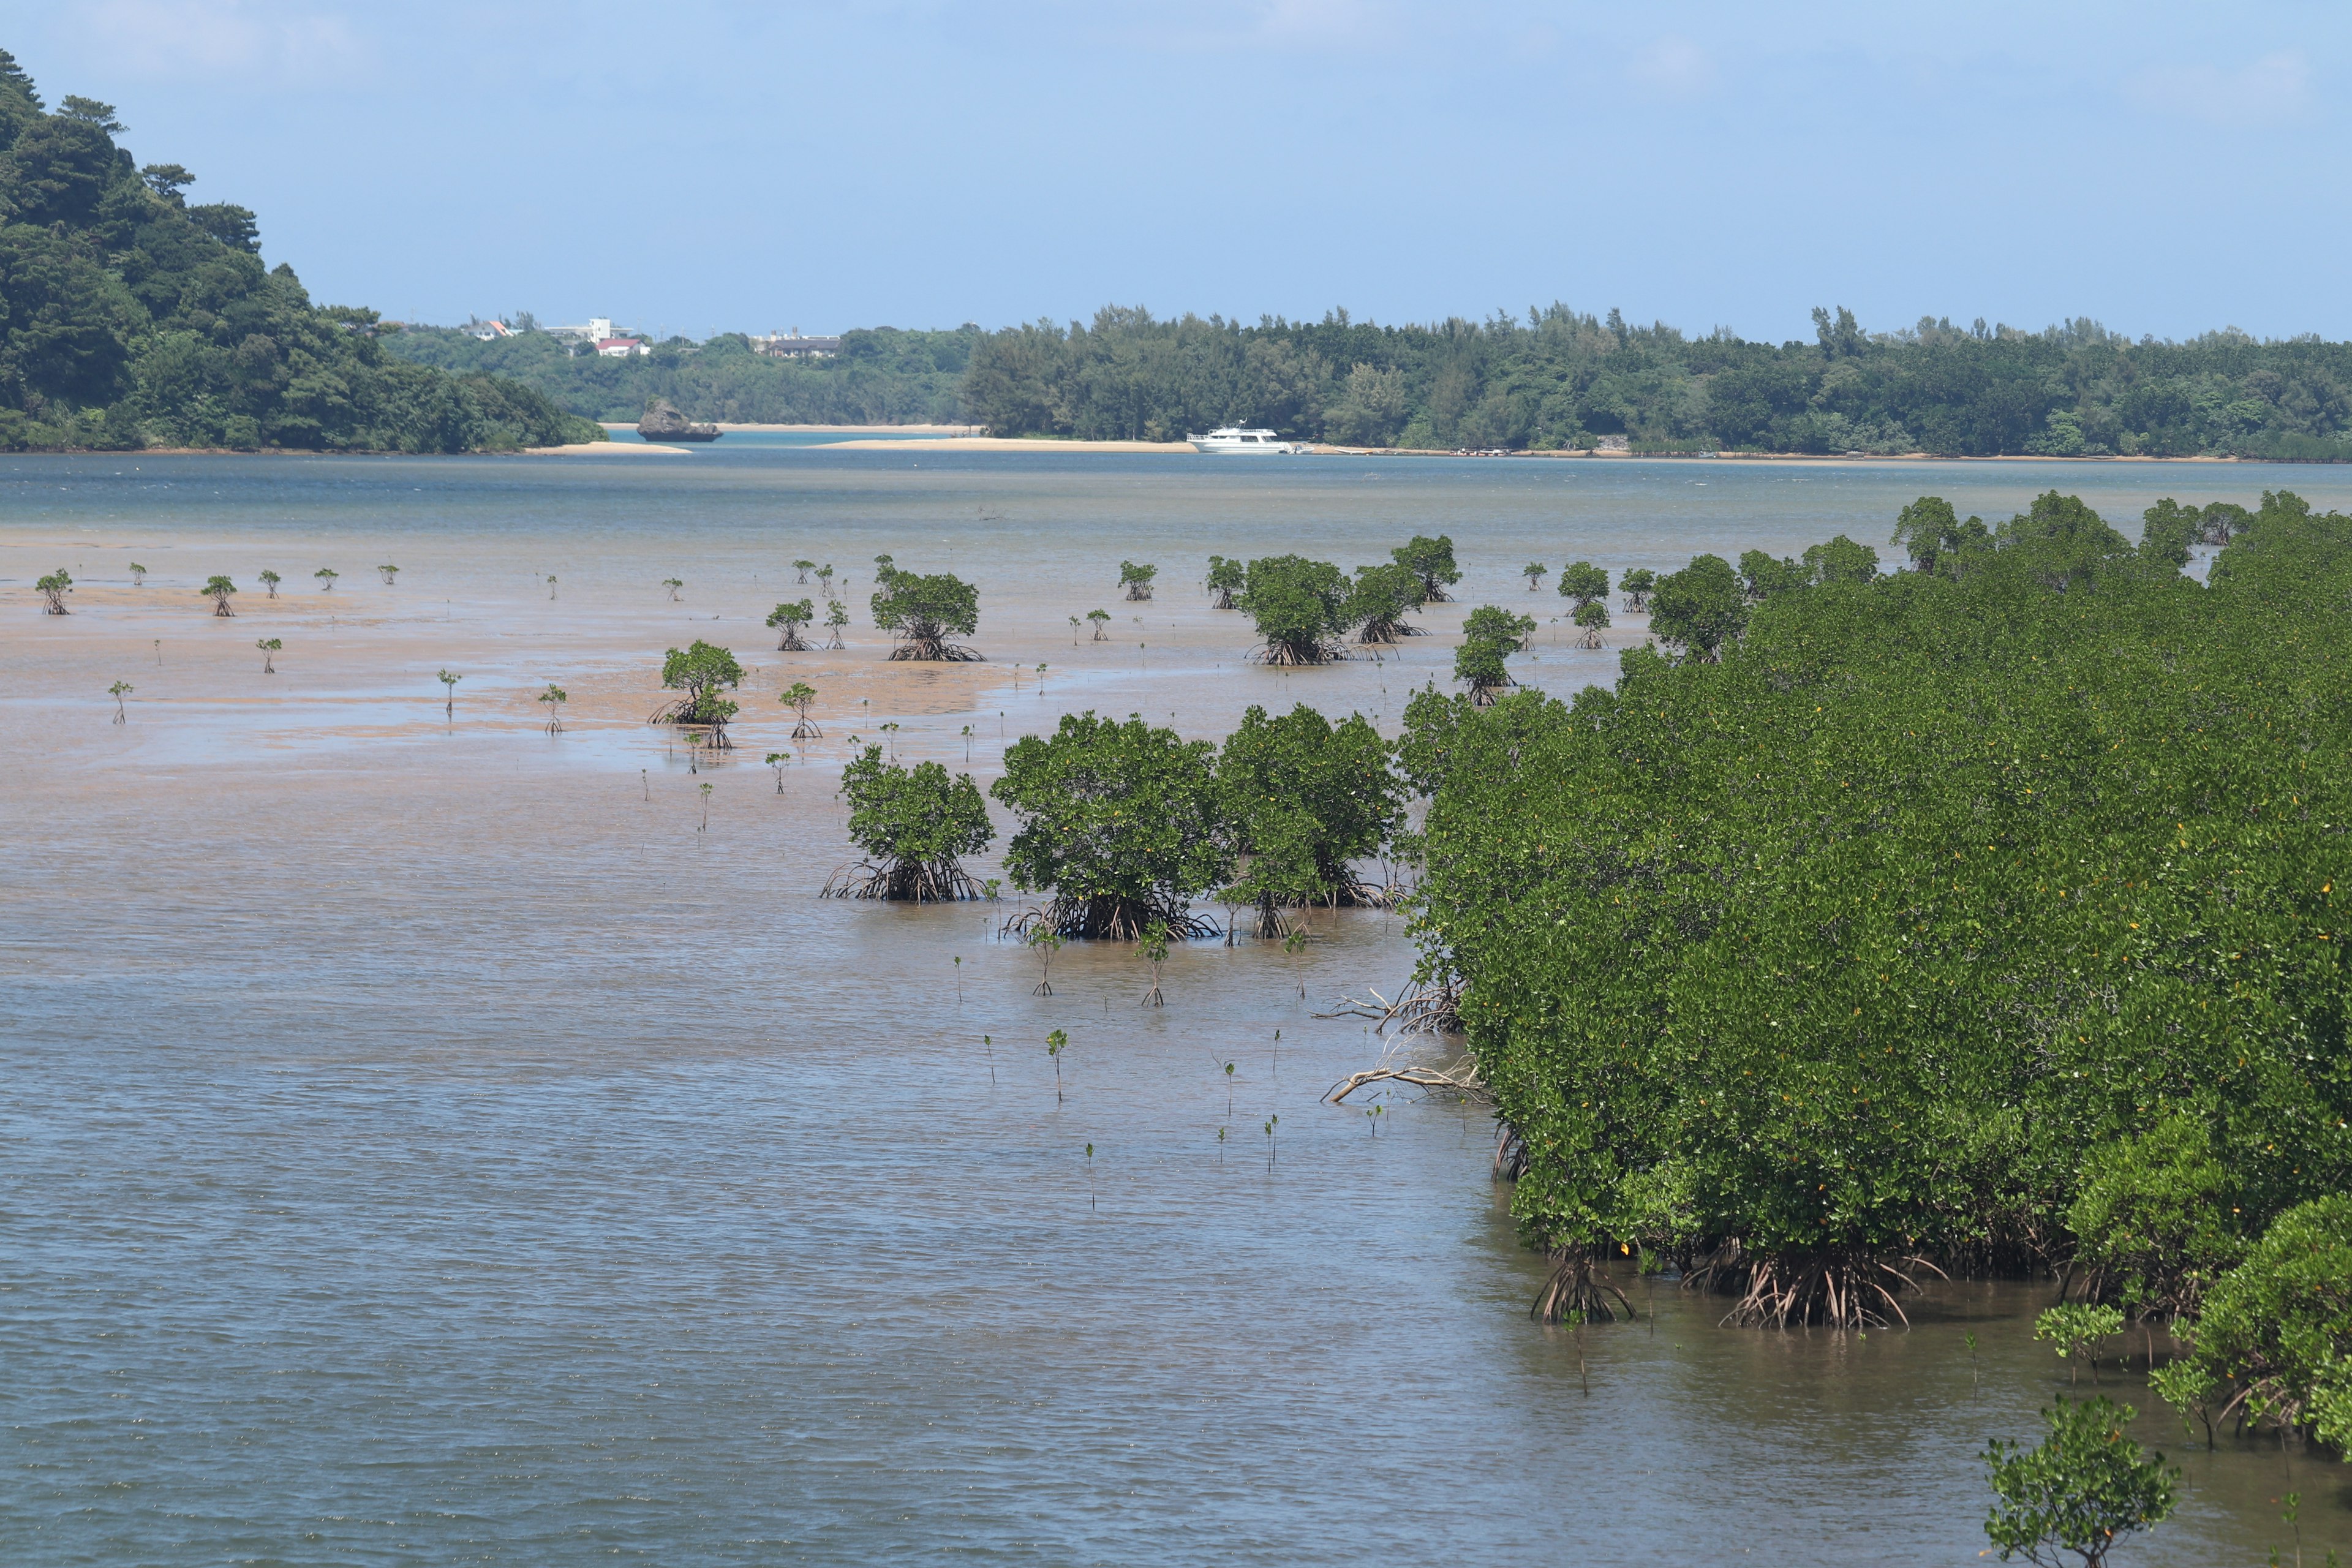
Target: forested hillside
{"type": "Point", "coordinates": [882, 377]}
{"type": "Point", "coordinates": [130, 317]}
{"type": "Point", "coordinates": [1560, 379]}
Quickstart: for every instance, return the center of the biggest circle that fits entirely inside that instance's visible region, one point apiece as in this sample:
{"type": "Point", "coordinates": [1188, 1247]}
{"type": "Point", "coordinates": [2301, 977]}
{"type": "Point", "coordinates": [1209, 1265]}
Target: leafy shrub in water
{"type": "Point", "coordinates": [915, 825]}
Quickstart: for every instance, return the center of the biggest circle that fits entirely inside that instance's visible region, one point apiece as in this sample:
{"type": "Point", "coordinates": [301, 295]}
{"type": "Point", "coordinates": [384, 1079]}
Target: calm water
{"type": "Point", "coordinates": [428, 1143]}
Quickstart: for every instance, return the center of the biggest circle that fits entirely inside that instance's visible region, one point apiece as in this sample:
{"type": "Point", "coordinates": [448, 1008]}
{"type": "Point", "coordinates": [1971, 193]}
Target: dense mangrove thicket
{"type": "Point", "coordinates": [1866, 946]}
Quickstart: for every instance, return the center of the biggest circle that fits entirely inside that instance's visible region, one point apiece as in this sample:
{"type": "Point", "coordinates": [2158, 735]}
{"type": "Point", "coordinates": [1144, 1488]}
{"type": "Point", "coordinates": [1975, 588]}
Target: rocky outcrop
{"type": "Point", "coordinates": [663, 422]}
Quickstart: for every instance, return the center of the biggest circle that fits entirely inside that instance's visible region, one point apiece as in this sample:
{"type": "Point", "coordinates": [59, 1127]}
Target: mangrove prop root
{"type": "Point", "coordinates": [1577, 1287]}
{"type": "Point", "coordinates": [903, 882]}
{"type": "Point", "coordinates": [1108, 918]}
{"type": "Point", "coordinates": [1296, 656]}
{"type": "Point", "coordinates": [932, 651]}
{"type": "Point", "coordinates": [791, 642]}
{"type": "Point", "coordinates": [1511, 1154]}
{"type": "Point", "coordinates": [1836, 1287]}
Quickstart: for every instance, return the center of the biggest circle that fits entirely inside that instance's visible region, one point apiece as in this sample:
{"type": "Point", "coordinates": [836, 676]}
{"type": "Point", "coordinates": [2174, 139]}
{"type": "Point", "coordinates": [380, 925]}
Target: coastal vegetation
{"type": "Point", "coordinates": [53, 589]}
{"type": "Point", "coordinates": [269, 647]}
{"type": "Point", "coordinates": [1119, 826]}
{"type": "Point", "coordinates": [922, 612]}
{"type": "Point", "coordinates": [1490, 635]}
{"type": "Point", "coordinates": [1430, 561]}
{"type": "Point", "coordinates": [2085, 1487]}
{"type": "Point", "coordinates": [1304, 800]}
{"type": "Point", "coordinates": [702, 671]}
{"type": "Point", "coordinates": [132, 317]}
{"type": "Point", "coordinates": [786, 621]}
{"type": "Point", "coordinates": [1971, 920]}
{"type": "Point", "coordinates": [269, 581]}
{"type": "Point", "coordinates": [1135, 580]}
{"type": "Point", "coordinates": [1225, 580]}
{"type": "Point", "coordinates": [1300, 607]}
{"type": "Point", "coordinates": [553, 699]}
{"type": "Point", "coordinates": [219, 589]}
{"type": "Point", "coordinates": [1560, 379]}
{"type": "Point", "coordinates": [914, 825]}
{"type": "Point", "coordinates": [1378, 602]}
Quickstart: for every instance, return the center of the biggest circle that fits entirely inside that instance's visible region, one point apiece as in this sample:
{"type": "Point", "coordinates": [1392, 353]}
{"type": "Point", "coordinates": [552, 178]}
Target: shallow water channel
{"type": "Point", "coordinates": [427, 1141]}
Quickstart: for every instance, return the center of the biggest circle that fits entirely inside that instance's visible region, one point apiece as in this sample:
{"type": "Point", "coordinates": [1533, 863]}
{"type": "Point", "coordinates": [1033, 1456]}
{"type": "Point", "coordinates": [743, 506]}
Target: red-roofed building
{"type": "Point", "coordinates": [620, 348]}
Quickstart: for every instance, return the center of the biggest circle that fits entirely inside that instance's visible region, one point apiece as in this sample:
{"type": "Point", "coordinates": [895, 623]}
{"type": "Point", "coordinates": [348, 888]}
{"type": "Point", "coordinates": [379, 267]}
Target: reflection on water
{"type": "Point", "coordinates": [425, 1142]}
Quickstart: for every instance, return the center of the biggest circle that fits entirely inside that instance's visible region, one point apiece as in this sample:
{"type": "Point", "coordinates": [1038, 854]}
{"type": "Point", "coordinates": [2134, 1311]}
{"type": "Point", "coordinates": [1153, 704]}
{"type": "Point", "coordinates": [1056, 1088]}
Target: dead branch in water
{"type": "Point", "coordinates": [1418, 1010]}
{"type": "Point", "coordinates": [1456, 1078]}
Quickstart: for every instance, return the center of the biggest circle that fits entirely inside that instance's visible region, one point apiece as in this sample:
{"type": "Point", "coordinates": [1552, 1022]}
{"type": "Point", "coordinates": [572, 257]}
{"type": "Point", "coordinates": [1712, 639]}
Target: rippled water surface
{"type": "Point", "coordinates": [427, 1141]}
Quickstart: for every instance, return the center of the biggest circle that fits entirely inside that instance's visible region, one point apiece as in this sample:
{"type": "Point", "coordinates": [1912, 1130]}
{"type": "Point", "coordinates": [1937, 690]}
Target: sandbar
{"type": "Point", "coordinates": [1003, 444]}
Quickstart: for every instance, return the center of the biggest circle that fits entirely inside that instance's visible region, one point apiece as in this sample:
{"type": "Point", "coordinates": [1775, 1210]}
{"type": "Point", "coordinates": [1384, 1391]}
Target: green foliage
{"type": "Point", "coordinates": [129, 318]}
{"type": "Point", "coordinates": [1302, 799]}
{"type": "Point", "coordinates": [53, 589]}
{"type": "Point", "coordinates": [924, 612]}
{"type": "Point", "coordinates": [787, 620]}
{"type": "Point", "coordinates": [1136, 579]}
{"type": "Point", "coordinates": [1581, 583]}
{"type": "Point", "coordinates": [219, 589]}
{"type": "Point", "coordinates": [2152, 1219]}
{"type": "Point", "coordinates": [1225, 580]}
{"type": "Point", "coordinates": [2275, 1341]}
{"type": "Point", "coordinates": [1118, 821]}
{"type": "Point", "coordinates": [1430, 561]}
{"type": "Point", "coordinates": [1841, 560]}
{"type": "Point", "coordinates": [1764, 577]}
{"type": "Point", "coordinates": [1559, 379]}
{"type": "Point", "coordinates": [2075, 1330]}
{"type": "Point", "coordinates": [1378, 602]}
{"type": "Point", "coordinates": [1638, 584]}
{"type": "Point", "coordinates": [1699, 608]}
{"type": "Point", "coordinates": [2084, 1488]}
{"type": "Point", "coordinates": [1490, 635]}
{"type": "Point", "coordinates": [883, 375]}
{"type": "Point", "coordinates": [1935, 539]}
{"type": "Point", "coordinates": [1872, 940]}
{"type": "Point", "coordinates": [1300, 607]}
{"type": "Point", "coordinates": [702, 670]}
{"type": "Point", "coordinates": [1534, 572]}
{"type": "Point", "coordinates": [918, 823]}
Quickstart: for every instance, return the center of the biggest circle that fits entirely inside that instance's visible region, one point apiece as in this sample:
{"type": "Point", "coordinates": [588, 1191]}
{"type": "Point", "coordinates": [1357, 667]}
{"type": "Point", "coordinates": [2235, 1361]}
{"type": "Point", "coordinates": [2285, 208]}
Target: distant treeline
{"type": "Point", "coordinates": [130, 318]}
{"type": "Point", "coordinates": [1560, 379]}
{"type": "Point", "coordinates": [882, 376]}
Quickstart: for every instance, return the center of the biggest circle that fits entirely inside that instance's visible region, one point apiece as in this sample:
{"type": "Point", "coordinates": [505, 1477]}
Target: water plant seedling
{"type": "Point", "coordinates": [989, 1045]}
{"type": "Point", "coordinates": [217, 588]}
{"type": "Point", "coordinates": [54, 589]}
{"type": "Point", "coordinates": [800, 696]}
{"type": "Point", "coordinates": [449, 693]}
{"type": "Point", "coordinates": [673, 584]}
{"type": "Point", "coordinates": [2074, 1330]}
{"type": "Point", "coordinates": [1055, 1043]}
{"type": "Point", "coordinates": [119, 690]}
{"type": "Point", "coordinates": [777, 760]}
{"type": "Point", "coordinates": [2081, 1489]}
{"type": "Point", "coordinates": [554, 696]}
{"type": "Point", "coordinates": [967, 744]}
{"type": "Point", "coordinates": [267, 646]}
{"type": "Point", "coordinates": [138, 576]}
{"type": "Point", "coordinates": [1074, 631]}
{"type": "Point", "coordinates": [387, 572]}
{"type": "Point", "coordinates": [550, 584]}
{"type": "Point", "coordinates": [1534, 573]}
{"type": "Point", "coordinates": [835, 618]}
{"type": "Point", "coordinates": [1153, 948]}
{"type": "Point", "coordinates": [1101, 618]}
{"type": "Point", "coordinates": [1043, 941]}
{"type": "Point", "coordinates": [1270, 1141]}
{"type": "Point", "coordinates": [270, 579]}
{"type": "Point", "coordinates": [787, 620]}
{"type": "Point", "coordinates": [1229, 1091]}
{"type": "Point", "coordinates": [1090, 1178]}
{"type": "Point", "coordinates": [326, 577]}
{"type": "Point", "coordinates": [705, 788]}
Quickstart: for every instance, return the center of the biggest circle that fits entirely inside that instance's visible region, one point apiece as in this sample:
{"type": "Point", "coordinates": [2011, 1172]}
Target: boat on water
{"type": "Point", "coordinates": [1232, 438]}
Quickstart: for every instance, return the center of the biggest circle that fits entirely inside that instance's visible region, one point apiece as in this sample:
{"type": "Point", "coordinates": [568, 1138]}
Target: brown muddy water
{"type": "Point", "coordinates": [427, 1143]}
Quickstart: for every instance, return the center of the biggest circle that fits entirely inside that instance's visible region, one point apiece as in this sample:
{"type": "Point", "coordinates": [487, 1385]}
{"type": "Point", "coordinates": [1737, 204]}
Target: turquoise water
{"type": "Point", "coordinates": [427, 1141]}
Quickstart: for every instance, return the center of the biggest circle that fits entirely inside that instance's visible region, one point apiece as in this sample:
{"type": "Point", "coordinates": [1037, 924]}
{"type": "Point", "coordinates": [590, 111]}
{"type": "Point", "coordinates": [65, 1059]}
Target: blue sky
{"type": "Point", "coordinates": [695, 166]}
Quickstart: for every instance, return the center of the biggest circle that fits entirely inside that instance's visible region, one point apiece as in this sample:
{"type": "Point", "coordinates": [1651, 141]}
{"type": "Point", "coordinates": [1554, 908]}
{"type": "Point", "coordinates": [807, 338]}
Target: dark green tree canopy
{"type": "Point", "coordinates": [1430, 561]}
{"type": "Point", "coordinates": [1581, 583]}
{"type": "Point", "coordinates": [924, 612]}
{"type": "Point", "coordinates": [1841, 560]}
{"type": "Point", "coordinates": [1378, 602]}
{"type": "Point", "coordinates": [1225, 579]}
{"type": "Point", "coordinates": [1300, 607]}
{"type": "Point", "coordinates": [915, 825]}
{"type": "Point", "coordinates": [129, 318]}
{"type": "Point", "coordinates": [702, 670]}
{"type": "Point", "coordinates": [1699, 608]}
{"type": "Point", "coordinates": [1490, 635]}
{"type": "Point", "coordinates": [1120, 822]}
{"type": "Point", "coordinates": [1304, 799]}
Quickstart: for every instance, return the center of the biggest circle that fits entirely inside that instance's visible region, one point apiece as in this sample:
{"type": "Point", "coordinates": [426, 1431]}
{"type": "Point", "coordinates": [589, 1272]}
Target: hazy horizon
{"type": "Point", "coordinates": [2166, 172]}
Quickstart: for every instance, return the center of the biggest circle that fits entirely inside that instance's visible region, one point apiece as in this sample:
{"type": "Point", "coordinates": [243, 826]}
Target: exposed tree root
{"type": "Point", "coordinates": [934, 650]}
{"type": "Point", "coordinates": [1385, 632]}
{"type": "Point", "coordinates": [1590, 638]}
{"type": "Point", "coordinates": [1108, 918]}
{"type": "Point", "coordinates": [1484, 696]}
{"type": "Point", "coordinates": [1579, 1289]}
{"type": "Point", "coordinates": [790, 642]}
{"type": "Point", "coordinates": [1511, 1154]}
{"type": "Point", "coordinates": [807, 729]}
{"type": "Point", "coordinates": [1837, 1287]}
{"type": "Point", "coordinates": [903, 882]}
{"type": "Point", "coordinates": [1296, 656]}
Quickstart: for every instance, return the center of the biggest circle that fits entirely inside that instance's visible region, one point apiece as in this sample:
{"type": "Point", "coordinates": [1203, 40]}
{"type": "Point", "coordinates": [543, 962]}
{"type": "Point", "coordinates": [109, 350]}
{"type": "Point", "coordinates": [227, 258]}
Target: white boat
{"type": "Point", "coordinates": [1233, 439]}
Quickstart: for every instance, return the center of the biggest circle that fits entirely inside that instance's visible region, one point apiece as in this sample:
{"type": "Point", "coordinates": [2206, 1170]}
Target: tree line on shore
{"type": "Point", "coordinates": [130, 317]}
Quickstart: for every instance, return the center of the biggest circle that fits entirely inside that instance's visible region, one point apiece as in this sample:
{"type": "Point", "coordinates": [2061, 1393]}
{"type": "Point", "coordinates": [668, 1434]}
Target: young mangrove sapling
{"type": "Point", "coordinates": [326, 577]}
{"type": "Point", "coordinates": [2083, 1488]}
{"type": "Point", "coordinates": [1100, 619]}
{"type": "Point", "coordinates": [449, 693]}
{"type": "Point", "coordinates": [138, 576]}
{"type": "Point", "coordinates": [836, 616]}
{"type": "Point", "coordinates": [387, 572]}
{"type": "Point", "coordinates": [1135, 580]}
{"type": "Point", "coordinates": [1044, 944]}
{"type": "Point", "coordinates": [1154, 950]}
{"type": "Point", "coordinates": [673, 584]}
{"type": "Point", "coordinates": [787, 620]}
{"type": "Point", "coordinates": [554, 698]}
{"type": "Point", "coordinates": [1225, 579]}
{"type": "Point", "coordinates": [804, 568]}
{"type": "Point", "coordinates": [1055, 1044]}
{"type": "Point", "coordinates": [53, 590]}
{"type": "Point", "coordinates": [119, 690]}
{"type": "Point", "coordinates": [218, 588]}
{"type": "Point", "coordinates": [800, 696]}
{"type": "Point", "coordinates": [270, 579]}
{"type": "Point", "coordinates": [702, 670]}
{"type": "Point", "coordinates": [267, 646]}
{"type": "Point", "coordinates": [1534, 573]}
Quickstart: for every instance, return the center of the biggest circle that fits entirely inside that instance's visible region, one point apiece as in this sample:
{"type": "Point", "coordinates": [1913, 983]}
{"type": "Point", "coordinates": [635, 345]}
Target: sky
{"type": "Point", "coordinates": [694, 167]}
